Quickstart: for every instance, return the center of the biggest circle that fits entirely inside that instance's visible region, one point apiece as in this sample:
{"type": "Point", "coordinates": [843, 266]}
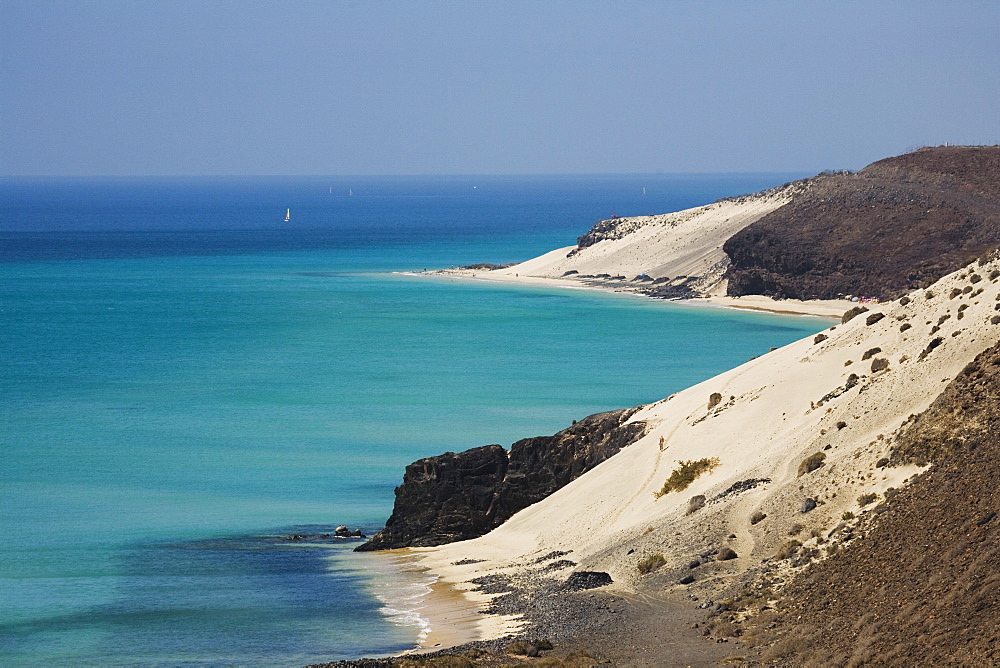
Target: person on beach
{"type": "Point", "coordinates": [661, 444]}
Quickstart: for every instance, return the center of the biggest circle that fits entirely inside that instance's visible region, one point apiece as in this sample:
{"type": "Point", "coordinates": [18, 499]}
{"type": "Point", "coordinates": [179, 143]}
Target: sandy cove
{"type": "Point", "coordinates": [839, 397]}
{"type": "Point", "coordinates": [843, 393]}
{"type": "Point", "coordinates": [825, 308]}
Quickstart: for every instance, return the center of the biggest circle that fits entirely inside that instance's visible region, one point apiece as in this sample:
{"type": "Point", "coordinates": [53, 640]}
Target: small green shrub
{"type": "Point", "coordinates": [651, 563]}
{"type": "Point", "coordinates": [847, 516]}
{"type": "Point", "coordinates": [865, 499]}
{"type": "Point", "coordinates": [686, 473]}
{"type": "Point", "coordinates": [713, 400]}
{"type": "Point", "coordinates": [871, 352]}
{"type": "Point", "coordinates": [857, 310]}
{"type": "Point", "coordinates": [819, 338]}
{"type": "Point", "coordinates": [521, 648]}
{"type": "Point", "coordinates": [757, 517]}
{"type": "Point", "coordinates": [788, 549]}
{"type": "Point", "coordinates": [811, 463]}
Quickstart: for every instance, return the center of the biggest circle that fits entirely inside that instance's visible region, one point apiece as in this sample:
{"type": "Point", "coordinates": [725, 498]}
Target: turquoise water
{"type": "Point", "coordinates": [184, 379]}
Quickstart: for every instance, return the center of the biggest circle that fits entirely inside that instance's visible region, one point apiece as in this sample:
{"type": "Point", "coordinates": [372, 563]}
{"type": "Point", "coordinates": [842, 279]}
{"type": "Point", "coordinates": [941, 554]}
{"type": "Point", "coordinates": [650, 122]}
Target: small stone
{"type": "Point", "coordinates": [808, 504]}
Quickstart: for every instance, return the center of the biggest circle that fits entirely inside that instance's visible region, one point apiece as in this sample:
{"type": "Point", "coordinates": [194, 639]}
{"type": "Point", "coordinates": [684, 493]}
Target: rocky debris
{"type": "Point", "coordinates": [587, 580]}
{"type": "Point", "coordinates": [893, 227]}
{"type": "Point", "coordinates": [808, 505]}
{"type": "Point", "coordinates": [340, 532]}
{"type": "Point", "coordinates": [486, 266]}
{"type": "Point", "coordinates": [558, 565]}
{"type": "Point", "coordinates": [740, 487]}
{"type": "Point", "coordinates": [459, 496]}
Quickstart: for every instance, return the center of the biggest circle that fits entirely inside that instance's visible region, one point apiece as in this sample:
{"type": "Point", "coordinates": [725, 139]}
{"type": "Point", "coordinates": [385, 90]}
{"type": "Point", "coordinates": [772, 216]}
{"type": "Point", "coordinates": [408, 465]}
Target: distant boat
{"type": "Point", "coordinates": [288, 215]}
{"type": "Point", "coordinates": [643, 191]}
{"type": "Point", "coordinates": [350, 192]}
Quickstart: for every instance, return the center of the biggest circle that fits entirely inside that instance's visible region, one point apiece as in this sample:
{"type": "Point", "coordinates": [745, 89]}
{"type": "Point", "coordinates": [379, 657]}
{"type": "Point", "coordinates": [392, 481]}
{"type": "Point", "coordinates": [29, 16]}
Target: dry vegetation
{"type": "Point", "coordinates": [686, 473]}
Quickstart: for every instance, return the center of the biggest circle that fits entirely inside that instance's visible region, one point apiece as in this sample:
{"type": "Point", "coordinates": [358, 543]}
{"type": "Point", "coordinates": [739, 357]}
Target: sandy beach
{"type": "Point", "coordinates": [825, 308]}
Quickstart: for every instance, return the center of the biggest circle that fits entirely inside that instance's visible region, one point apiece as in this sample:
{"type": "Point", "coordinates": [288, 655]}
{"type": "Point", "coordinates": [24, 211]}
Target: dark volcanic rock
{"type": "Point", "coordinates": [541, 465]}
{"type": "Point", "coordinates": [892, 227]}
{"type": "Point", "coordinates": [460, 496]}
{"type": "Point", "coordinates": [443, 499]}
{"type": "Point", "coordinates": [588, 580]}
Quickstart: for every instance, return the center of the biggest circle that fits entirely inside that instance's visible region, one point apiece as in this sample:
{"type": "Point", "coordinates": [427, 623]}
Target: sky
{"type": "Point", "coordinates": [354, 87]}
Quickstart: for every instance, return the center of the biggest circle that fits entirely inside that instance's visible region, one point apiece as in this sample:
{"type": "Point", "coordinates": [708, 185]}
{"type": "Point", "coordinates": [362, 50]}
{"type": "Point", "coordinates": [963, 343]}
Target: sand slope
{"type": "Point", "coordinates": [685, 243]}
{"type": "Point", "coordinates": [772, 412]}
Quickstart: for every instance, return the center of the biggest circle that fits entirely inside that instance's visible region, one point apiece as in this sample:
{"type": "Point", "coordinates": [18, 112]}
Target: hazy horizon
{"type": "Point", "coordinates": [310, 87]}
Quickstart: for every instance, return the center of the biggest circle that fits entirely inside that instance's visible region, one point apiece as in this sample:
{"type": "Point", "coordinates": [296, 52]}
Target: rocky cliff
{"type": "Point", "coordinates": [895, 226]}
{"type": "Point", "coordinates": [454, 497]}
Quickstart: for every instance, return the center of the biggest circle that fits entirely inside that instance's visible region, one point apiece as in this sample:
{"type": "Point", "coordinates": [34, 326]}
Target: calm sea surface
{"type": "Point", "coordinates": [186, 377]}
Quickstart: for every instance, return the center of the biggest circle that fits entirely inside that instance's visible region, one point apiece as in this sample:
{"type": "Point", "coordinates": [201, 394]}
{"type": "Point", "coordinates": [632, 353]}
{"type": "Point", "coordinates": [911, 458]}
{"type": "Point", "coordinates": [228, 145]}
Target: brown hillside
{"type": "Point", "coordinates": [921, 583]}
{"type": "Point", "coordinates": [892, 227]}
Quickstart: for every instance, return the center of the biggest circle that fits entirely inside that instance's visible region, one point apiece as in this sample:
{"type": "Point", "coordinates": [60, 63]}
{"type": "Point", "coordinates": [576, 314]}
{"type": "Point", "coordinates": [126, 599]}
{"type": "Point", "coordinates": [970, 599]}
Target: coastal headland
{"type": "Point", "coordinates": [830, 503]}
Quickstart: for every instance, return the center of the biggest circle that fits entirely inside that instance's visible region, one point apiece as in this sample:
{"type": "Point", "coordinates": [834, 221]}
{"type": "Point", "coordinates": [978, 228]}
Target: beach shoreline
{"type": "Point", "coordinates": [445, 614]}
{"type": "Point", "coordinates": [528, 608]}
{"type": "Point", "coordinates": [823, 308]}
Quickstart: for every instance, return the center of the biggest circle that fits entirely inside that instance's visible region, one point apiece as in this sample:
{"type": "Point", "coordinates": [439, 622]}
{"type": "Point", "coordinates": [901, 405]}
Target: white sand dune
{"type": "Point", "coordinates": [685, 243]}
{"type": "Point", "coordinates": [773, 412]}
{"type": "Point", "coordinates": [684, 247]}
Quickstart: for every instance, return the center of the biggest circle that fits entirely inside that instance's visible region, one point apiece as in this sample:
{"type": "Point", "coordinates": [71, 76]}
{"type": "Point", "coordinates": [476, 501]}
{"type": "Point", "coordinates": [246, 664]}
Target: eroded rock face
{"type": "Point", "coordinates": [443, 499]}
{"type": "Point", "coordinates": [892, 227]}
{"type": "Point", "coordinates": [541, 465]}
{"type": "Point", "coordinates": [454, 497]}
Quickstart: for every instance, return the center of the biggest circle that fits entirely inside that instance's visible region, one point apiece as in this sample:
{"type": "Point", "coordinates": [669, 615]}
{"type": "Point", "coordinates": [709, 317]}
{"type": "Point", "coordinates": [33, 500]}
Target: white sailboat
{"type": "Point", "coordinates": [288, 215]}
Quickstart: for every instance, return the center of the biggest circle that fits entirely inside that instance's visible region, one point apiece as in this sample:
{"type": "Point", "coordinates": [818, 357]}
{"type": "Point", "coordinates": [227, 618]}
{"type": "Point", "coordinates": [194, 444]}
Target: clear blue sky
{"type": "Point", "coordinates": [154, 87]}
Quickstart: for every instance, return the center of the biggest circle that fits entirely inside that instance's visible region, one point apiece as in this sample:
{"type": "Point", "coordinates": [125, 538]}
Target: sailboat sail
{"type": "Point", "coordinates": [288, 215]}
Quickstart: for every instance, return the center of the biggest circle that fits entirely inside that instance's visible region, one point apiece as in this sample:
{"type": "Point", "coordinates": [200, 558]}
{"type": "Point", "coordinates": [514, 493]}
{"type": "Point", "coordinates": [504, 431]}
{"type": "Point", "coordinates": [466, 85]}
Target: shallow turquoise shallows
{"type": "Point", "coordinates": [186, 378]}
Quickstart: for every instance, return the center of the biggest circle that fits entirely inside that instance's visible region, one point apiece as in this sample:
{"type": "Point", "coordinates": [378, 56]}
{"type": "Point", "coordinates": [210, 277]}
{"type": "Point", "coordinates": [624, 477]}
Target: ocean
{"type": "Point", "coordinates": [186, 378]}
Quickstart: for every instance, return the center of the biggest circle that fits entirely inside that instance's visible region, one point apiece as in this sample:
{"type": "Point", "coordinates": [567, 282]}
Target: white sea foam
{"type": "Point", "coordinates": [396, 583]}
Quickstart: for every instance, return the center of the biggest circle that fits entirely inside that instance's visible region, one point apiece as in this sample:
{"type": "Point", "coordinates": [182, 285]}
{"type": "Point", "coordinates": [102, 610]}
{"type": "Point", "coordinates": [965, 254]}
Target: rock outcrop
{"type": "Point", "coordinates": [454, 497]}
{"type": "Point", "coordinates": [897, 225]}
{"type": "Point", "coordinates": [443, 499]}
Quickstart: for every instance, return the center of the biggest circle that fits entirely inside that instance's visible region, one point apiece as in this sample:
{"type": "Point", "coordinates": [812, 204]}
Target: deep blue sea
{"type": "Point", "coordinates": [185, 377]}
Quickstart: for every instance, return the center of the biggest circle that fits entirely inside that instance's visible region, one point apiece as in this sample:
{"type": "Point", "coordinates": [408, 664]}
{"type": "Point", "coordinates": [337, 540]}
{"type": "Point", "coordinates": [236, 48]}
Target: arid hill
{"type": "Point", "coordinates": [921, 585]}
{"type": "Point", "coordinates": [895, 226]}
